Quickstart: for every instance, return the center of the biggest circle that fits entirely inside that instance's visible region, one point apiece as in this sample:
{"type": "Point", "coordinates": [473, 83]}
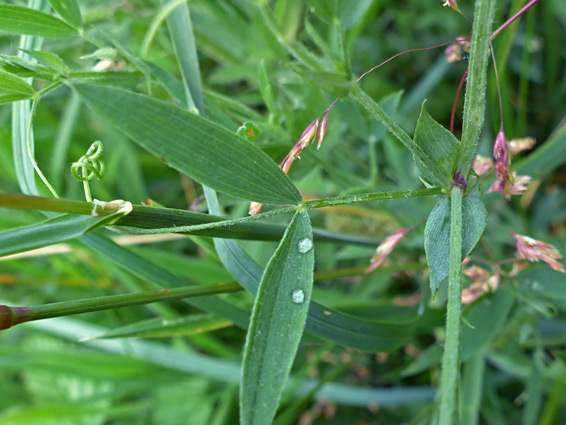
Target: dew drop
{"type": "Point", "coordinates": [305, 245]}
{"type": "Point", "coordinates": [298, 296]}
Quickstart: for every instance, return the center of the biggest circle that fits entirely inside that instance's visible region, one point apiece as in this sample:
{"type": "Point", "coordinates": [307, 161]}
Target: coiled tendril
{"type": "Point", "coordinates": [88, 166]}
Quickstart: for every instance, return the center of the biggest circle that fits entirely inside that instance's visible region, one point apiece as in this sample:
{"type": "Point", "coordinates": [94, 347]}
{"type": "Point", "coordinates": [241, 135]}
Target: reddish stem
{"type": "Point", "coordinates": [455, 104]}
{"type": "Point", "coordinates": [514, 18]}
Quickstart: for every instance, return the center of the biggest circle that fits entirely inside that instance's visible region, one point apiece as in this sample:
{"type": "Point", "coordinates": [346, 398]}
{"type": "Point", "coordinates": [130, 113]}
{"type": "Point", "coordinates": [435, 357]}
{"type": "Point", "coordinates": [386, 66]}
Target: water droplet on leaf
{"type": "Point", "coordinates": [298, 296]}
{"type": "Point", "coordinates": [305, 245]}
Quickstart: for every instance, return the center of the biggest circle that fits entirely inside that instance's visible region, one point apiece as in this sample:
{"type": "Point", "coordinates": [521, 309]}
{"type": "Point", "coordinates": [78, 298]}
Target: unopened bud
{"type": "Point", "coordinates": [322, 132]}
{"type": "Point", "coordinates": [255, 208]}
{"type": "Point", "coordinates": [309, 134]}
{"type": "Point", "coordinates": [453, 53]}
{"type": "Point", "coordinates": [452, 4]}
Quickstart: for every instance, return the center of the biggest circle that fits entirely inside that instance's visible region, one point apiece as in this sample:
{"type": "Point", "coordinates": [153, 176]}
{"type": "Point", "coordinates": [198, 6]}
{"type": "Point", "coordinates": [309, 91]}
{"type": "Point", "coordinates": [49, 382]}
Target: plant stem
{"type": "Point", "coordinates": [451, 359]}
{"type": "Point", "coordinates": [370, 197]}
{"type": "Point", "coordinates": [361, 97]}
{"type": "Point", "coordinates": [474, 103]}
{"type": "Point", "coordinates": [10, 316]}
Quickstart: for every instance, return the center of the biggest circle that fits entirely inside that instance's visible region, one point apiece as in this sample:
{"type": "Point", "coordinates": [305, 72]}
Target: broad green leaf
{"type": "Point", "coordinates": [50, 60]}
{"type": "Point", "coordinates": [193, 145]}
{"type": "Point", "coordinates": [438, 144]}
{"type": "Point", "coordinates": [324, 322]}
{"type": "Point", "coordinates": [13, 88]}
{"type": "Point", "coordinates": [164, 328]}
{"type": "Point", "coordinates": [277, 323]}
{"type": "Point", "coordinates": [437, 234]}
{"type": "Point", "coordinates": [55, 230]}
{"type": "Point", "coordinates": [336, 84]}
{"type": "Point", "coordinates": [69, 11]}
{"type": "Point", "coordinates": [21, 20]}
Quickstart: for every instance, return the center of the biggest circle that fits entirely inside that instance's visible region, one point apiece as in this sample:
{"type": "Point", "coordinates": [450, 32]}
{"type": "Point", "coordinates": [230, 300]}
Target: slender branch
{"type": "Point", "coordinates": [11, 316]}
{"type": "Point", "coordinates": [451, 359]}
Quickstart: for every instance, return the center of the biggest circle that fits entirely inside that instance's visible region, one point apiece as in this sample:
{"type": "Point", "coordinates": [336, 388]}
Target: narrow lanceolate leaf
{"type": "Point", "coordinates": [69, 11]}
{"type": "Point", "coordinates": [49, 60]}
{"type": "Point", "coordinates": [164, 328]}
{"type": "Point", "coordinates": [55, 230]}
{"type": "Point", "coordinates": [438, 144]}
{"type": "Point", "coordinates": [13, 88]}
{"type": "Point", "coordinates": [437, 234]}
{"type": "Point", "coordinates": [21, 20]}
{"type": "Point", "coordinates": [277, 323]}
{"type": "Point", "coordinates": [193, 145]}
{"type": "Point", "coordinates": [324, 322]}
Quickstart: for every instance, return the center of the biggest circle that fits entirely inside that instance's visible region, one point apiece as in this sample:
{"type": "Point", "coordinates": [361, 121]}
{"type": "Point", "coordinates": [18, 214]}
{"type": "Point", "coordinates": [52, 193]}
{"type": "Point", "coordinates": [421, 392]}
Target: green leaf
{"type": "Point", "coordinates": [265, 88]}
{"type": "Point", "coordinates": [163, 328]}
{"type": "Point", "coordinates": [438, 144]}
{"type": "Point", "coordinates": [345, 13]}
{"type": "Point", "coordinates": [193, 145]}
{"type": "Point", "coordinates": [13, 88]}
{"type": "Point", "coordinates": [50, 60]}
{"type": "Point", "coordinates": [324, 322]}
{"type": "Point", "coordinates": [437, 234]}
{"type": "Point", "coordinates": [18, 66]}
{"type": "Point", "coordinates": [336, 84]}
{"type": "Point", "coordinates": [277, 323]}
{"type": "Point", "coordinates": [69, 11]}
{"type": "Point", "coordinates": [21, 20]}
{"type": "Point", "coordinates": [49, 232]}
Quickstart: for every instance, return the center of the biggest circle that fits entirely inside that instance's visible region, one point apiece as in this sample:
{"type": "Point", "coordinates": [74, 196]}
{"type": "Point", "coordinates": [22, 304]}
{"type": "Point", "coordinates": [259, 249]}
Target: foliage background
{"type": "Point", "coordinates": [52, 379]}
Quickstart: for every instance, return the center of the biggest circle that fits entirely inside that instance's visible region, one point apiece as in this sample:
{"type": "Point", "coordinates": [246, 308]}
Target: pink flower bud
{"type": "Point", "coordinates": [322, 131]}
{"type": "Point", "coordinates": [483, 165]}
{"type": "Point", "coordinates": [451, 3]}
{"type": "Point", "coordinates": [386, 247]}
{"type": "Point", "coordinates": [453, 53]}
{"type": "Point", "coordinates": [309, 134]}
{"type": "Point", "coordinates": [520, 145]}
{"type": "Point", "coordinates": [255, 208]}
{"type": "Point", "coordinates": [533, 250]}
{"type": "Point", "coordinates": [504, 179]}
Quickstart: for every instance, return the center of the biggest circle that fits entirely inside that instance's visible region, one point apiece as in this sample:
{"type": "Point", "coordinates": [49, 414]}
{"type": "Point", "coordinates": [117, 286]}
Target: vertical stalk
{"type": "Point", "coordinates": [451, 359]}
{"type": "Point", "coordinates": [474, 103]}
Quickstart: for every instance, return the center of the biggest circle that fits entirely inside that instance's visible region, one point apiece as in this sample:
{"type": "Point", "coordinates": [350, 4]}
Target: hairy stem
{"type": "Point", "coordinates": [474, 103]}
{"type": "Point", "coordinates": [451, 359]}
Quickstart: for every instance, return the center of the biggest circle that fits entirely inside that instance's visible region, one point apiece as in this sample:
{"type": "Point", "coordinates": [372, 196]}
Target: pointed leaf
{"type": "Point", "coordinates": [69, 11]}
{"type": "Point", "coordinates": [439, 145]}
{"type": "Point", "coordinates": [21, 20]}
{"type": "Point", "coordinates": [13, 88]}
{"type": "Point", "coordinates": [18, 66]}
{"type": "Point", "coordinates": [193, 145]}
{"type": "Point", "coordinates": [437, 234]}
{"type": "Point", "coordinates": [336, 84]}
{"type": "Point", "coordinates": [50, 60]}
{"type": "Point", "coordinates": [324, 322]}
{"type": "Point", "coordinates": [277, 323]}
{"type": "Point", "coordinates": [164, 328]}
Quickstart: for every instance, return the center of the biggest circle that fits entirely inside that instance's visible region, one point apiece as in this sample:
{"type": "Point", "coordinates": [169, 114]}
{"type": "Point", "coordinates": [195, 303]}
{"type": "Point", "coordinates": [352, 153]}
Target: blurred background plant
{"type": "Point", "coordinates": [513, 345]}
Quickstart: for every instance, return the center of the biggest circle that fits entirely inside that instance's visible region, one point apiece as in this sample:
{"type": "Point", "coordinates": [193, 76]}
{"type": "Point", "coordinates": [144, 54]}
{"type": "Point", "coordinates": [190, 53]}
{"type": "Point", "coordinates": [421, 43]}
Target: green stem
{"type": "Point", "coordinates": [371, 197]}
{"type": "Point", "coordinates": [474, 103]}
{"type": "Point", "coordinates": [451, 359]}
{"type": "Point", "coordinates": [10, 316]}
{"type": "Point", "coordinates": [365, 101]}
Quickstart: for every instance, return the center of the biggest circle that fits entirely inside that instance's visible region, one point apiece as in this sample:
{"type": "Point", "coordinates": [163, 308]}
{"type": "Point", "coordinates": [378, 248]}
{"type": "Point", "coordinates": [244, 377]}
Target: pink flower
{"type": "Point", "coordinates": [520, 184]}
{"type": "Point", "coordinates": [504, 179]}
{"type": "Point", "coordinates": [386, 247]}
{"type": "Point", "coordinates": [483, 165]}
{"type": "Point", "coordinates": [453, 53]}
{"type": "Point", "coordinates": [533, 250]}
{"type": "Point", "coordinates": [484, 282]}
{"type": "Point", "coordinates": [520, 145]}
{"type": "Point", "coordinates": [451, 3]}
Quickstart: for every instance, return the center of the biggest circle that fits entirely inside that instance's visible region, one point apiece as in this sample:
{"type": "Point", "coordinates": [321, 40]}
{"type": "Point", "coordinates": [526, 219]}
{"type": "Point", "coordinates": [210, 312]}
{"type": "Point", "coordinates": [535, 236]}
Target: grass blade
{"type": "Point", "coordinates": [277, 323]}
